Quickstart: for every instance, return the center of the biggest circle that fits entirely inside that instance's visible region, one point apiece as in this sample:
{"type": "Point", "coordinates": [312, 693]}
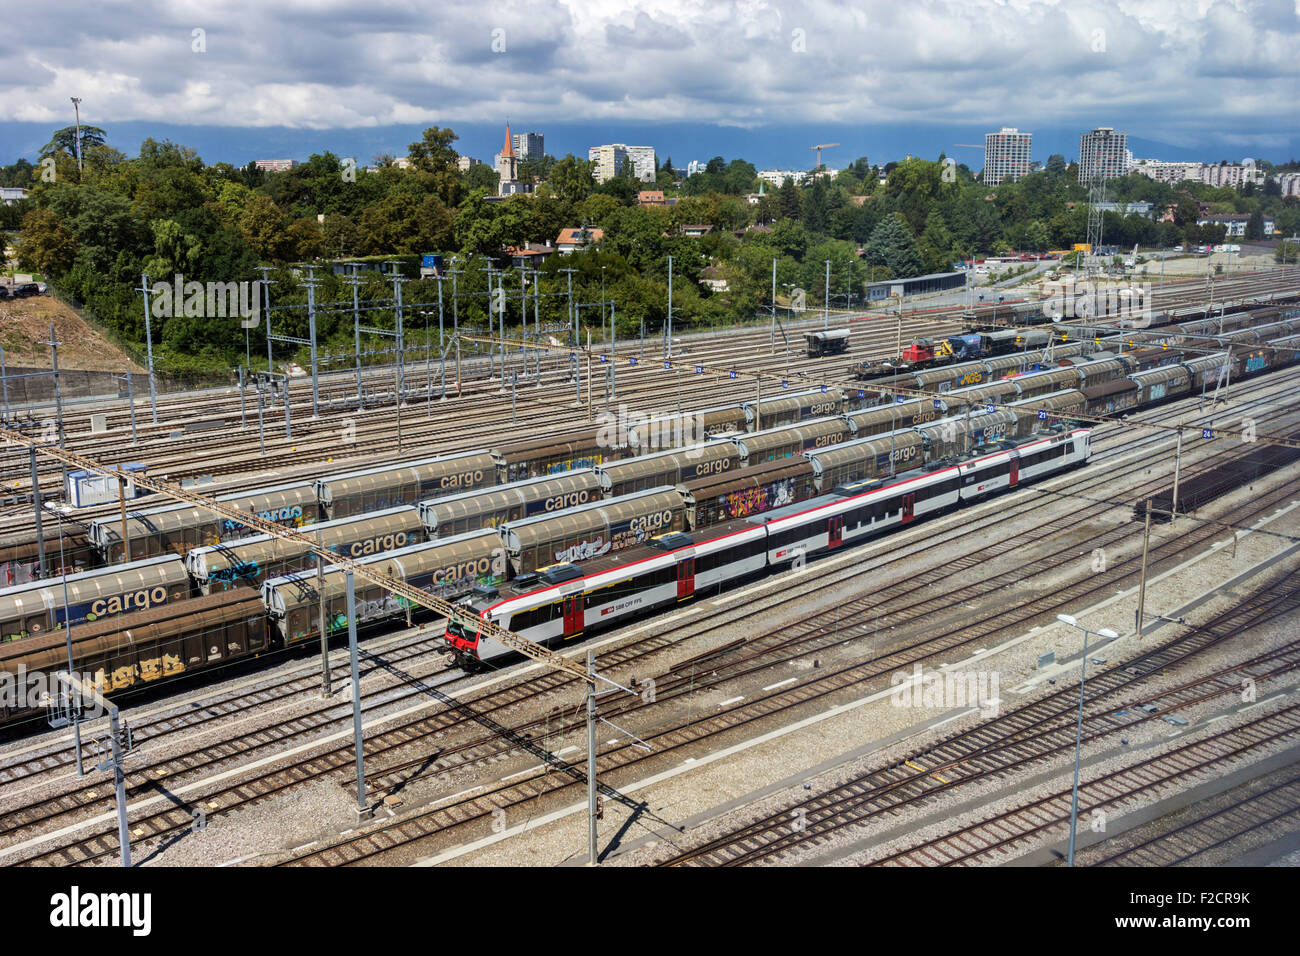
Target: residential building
{"type": "Point", "coordinates": [1231, 175]}
{"type": "Point", "coordinates": [1164, 172]}
{"type": "Point", "coordinates": [275, 165]}
{"type": "Point", "coordinates": [607, 161]}
{"type": "Point", "coordinates": [1289, 183]}
{"type": "Point", "coordinates": [1006, 155]}
{"type": "Point", "coordinates": [695, 229]}
{"type": "Point", "coordinates": [529, 145]}
{"type": "Point", "coordinates": [644, 162]}
{"type": "Point", "coordinates": [1221, 174]}
{"type": "Point", "coordinates": [695, 166]}
{"type": "Point", "coordinates": [463, 163]}
{"type": "Point", "coordinates": [777, 177]}
{"type": "Point", "coordinates": [571, 240]}
{"type": "Point", "coordinates": [1235, 222]}
{"type": "Point", "coordinates": [1102, 152]}
{"type": "Point", "coordinates": [402, 162]}
{"type": "Point", "coordinates": [12, 194]}
{"type": "Point", "coordinates": [529, 255]}
{"type": "Point", "coordinates": [651, 197]}
{"type": "Point", "coordinates": [714, 278]}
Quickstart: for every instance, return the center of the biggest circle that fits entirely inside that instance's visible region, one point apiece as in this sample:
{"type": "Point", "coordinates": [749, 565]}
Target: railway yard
{"type": "Point", "coordinates": [827, 636]}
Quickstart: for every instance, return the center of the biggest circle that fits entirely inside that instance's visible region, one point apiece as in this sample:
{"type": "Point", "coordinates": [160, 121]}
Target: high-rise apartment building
{"type": "Point", "coordinates": [1103, 152]}
{"type": "Point", "coordinates": [608, 161]}
{"type": "Point", "coordinates": [643, 162]}
{"type": "Point", "coordinates": [1006, 155]}
{"type": "Point", "coordinates": [529, 145]}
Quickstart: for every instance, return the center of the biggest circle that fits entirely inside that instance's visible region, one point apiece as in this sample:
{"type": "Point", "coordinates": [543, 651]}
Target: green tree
{"type": "Point", "coordinates": [1036, 238]}
{"type": "Point", "coordinates": [789, 201]}
{"type": "Point", "coordinates": [266, 229]}
{"type": "Point", "coordinates": [481, 176]}
{"type": "Point", "coordinates": [64, 141]}
{"type": "Point", "coordinates": [1287, 253]}
{"type": "Point", "coordinates": [571, 179]}
{"type": "Point", "coordinates": [814, 207]}
{"type": "Point", "coordinates": [45, 245]}
{"type": "Point", "coordinates": [339, 236]}
{"type": "Point", "coordinates": [594, 210]}
{"type": "Point", "coordinates": [893, 246]}
{"type": "Point", "coordinates": [435, 162]}
{"type": "Point", "coordinates": [1255, 225]}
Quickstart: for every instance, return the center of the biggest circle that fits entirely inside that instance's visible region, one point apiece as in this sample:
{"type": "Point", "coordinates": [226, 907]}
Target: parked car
{"type": "Point", "coordinates": [25, 290]}
{"type": "Point", "coordinates": [42, 287]}
{"type": "Point", "coordinates": [4, 293]}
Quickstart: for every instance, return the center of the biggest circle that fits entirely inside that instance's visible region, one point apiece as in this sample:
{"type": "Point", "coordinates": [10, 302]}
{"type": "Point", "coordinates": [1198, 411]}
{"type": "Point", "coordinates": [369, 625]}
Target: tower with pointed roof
{"type": "Point", "coordinates": [507, 165]}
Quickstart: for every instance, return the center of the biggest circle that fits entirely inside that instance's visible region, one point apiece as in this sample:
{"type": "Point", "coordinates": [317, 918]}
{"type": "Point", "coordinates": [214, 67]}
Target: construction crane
{"type": "Point", "coordinates": [819, 147]}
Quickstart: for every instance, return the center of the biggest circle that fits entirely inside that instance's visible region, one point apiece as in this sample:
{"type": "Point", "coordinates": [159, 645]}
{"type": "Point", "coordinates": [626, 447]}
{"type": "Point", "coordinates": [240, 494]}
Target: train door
{"type": "Point", "coordinates": [909, 507]}
{"type": "Point", "coordinates": [685, 579]}
{"type": "Point", "coordinates": [573, 615]}
{"type": "Point", "coordinates": [1014, 473]}
{"type": "Point", "coordinates": [835, 532]}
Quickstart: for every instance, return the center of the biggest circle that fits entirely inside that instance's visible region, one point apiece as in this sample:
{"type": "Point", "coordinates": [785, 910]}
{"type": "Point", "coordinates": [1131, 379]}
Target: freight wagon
{"type": "Point", "coordinates": [493, 507]}
{"type": "Point", "coordinates": [592, 530]}
{"type": "Point", "coordinates": [39, 606]}
{"type": "Point", "coordinates": [249, 562]}
{"type": "Point", "coordinates": [408, 483]}
{"type": "Point", "coordinates": [448, 568]}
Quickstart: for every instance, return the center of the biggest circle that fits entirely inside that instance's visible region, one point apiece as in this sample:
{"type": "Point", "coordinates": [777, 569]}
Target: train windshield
{"type": "Point", "coordinates": [462, 634]}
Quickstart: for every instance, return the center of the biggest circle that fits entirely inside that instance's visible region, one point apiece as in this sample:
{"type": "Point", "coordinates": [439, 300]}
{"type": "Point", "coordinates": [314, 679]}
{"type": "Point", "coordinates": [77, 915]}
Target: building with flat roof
{"type": "Point", "coordinates": [915, 285]}
{"type": "Point", "coordinates": [607, 161]}
{"type": "Point", "coordinates": [529, 145]}
{"type": "Point", "coordinates": [777, 177]}
{"type": "Point", "coordinates": [1235, 223]}
{"type": "Point", "coordinates": [1006, 155]}
{"type": "Point", "coordinates": [275, 165]}
{"type": "Point", "coordinates": [1103, 152]}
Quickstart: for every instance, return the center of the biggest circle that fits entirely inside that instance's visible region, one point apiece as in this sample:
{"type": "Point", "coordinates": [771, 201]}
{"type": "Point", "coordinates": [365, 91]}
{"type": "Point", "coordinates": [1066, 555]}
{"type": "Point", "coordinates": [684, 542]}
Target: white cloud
{"type": "Point", "coordinates": [1160, 67]}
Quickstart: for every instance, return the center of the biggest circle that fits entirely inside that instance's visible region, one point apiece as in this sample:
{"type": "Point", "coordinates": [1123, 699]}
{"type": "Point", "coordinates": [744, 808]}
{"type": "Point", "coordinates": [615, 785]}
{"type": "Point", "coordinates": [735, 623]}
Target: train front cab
{"type": "Point", "coordinates": [462, 637]}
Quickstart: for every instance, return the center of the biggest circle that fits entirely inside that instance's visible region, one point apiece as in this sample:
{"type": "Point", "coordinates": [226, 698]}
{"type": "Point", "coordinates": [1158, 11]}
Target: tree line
{"type": "Point", "coordinates": [93, 227]}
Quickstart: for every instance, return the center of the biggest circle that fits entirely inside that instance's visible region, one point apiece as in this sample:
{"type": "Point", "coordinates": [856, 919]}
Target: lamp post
{"type": "Point", "coordinates": [1078, 734]}
{"type": "Point", "coordinates": [826, 299]}
{"type": "Point", "coordinates": [76, 106]}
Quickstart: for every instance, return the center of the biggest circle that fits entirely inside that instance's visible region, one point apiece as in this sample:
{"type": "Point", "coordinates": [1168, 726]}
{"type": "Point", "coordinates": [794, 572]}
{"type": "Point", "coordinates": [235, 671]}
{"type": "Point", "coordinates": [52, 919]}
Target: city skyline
{"type": "Point", "coordinates": [680, 142]}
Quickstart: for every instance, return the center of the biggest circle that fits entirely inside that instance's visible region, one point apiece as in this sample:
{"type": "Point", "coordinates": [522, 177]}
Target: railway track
{"type": "Point", "coordinates": [471, 748]}
{"type": "Point", "coordinates": [995, 748]}
{"type": "Point", "coordinates": [208, 453]}
{"type": "Point", "coordinates": [1272, 809]}
{"type": "Point", "coordinates": [996, 839]}
{"type": "Point", "coordinates": [251, 797]}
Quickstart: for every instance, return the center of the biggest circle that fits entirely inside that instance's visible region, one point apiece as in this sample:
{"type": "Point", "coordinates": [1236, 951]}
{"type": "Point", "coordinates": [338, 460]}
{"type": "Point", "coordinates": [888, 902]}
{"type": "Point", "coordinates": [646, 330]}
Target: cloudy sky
{"type": "Point", "coordinates": [1194, 78]}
